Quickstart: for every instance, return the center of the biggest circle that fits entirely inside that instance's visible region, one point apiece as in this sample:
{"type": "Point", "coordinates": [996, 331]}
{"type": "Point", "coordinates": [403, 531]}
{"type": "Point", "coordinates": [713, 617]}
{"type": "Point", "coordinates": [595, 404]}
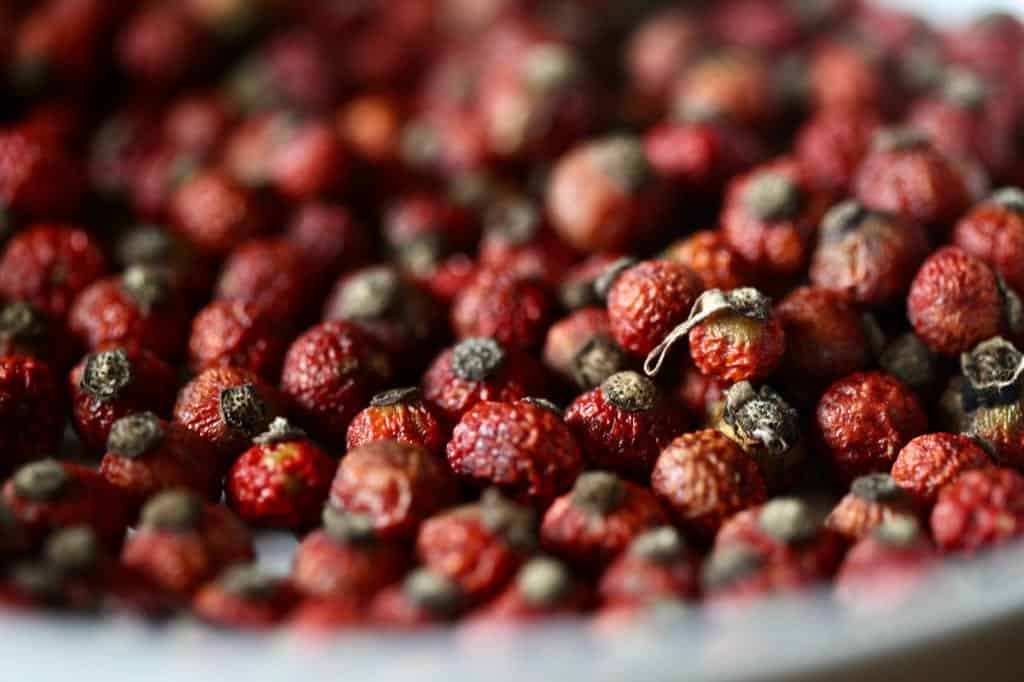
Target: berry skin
{"type": "Point", "coordinates": [191, 275]}
{"type": "Point", "coordinates": [647, 301]}
{"type": "Point", "coordinates": [576, 289]}
{"type": "Point", "coordinates": [182, 542]}
{"type": "Point", "coordinates": [114, 383]}
{"type": "Point", "coordinates": [623, 424]}
{"type": "Point", "coordinates": [714, 262]}
{"type": "Point", "coordinates": [656, 566]}
{"type": "Point", "coordinates": [699, 393]}
{"type": "Point", "coordinates": [513, 310]}
{"type": "Point", "coordinates": [396, 484]}
{"type": "Point", "coordinates": [244, 598]}
{"type": "Point", "coordinates": [478, 370]}
{"type": "Point", "coordinates": [328, 238]}
{"type": "Point", "coordinates": [235, 334]}
{"type": "Point", "coordinates": [400, 415]}
{"type": "Point", "coordinates": [873, 500]}
{"type": "Point", "coordinates": [927, 463]}
{"type": "Point", "coordinates": [315, 616]}
{"type": "Point", "coordinates": [863, 421]}
{"type": "Point", "coordinates": [48, 495]}
{"type": "Point", "coordinates": [307, 161]}
{"type": "Point", "coordinates": [831, 145]}
{"type": "Point", "coordinates": [979, 509]}
{"type": "Point", "coordinates": [282, 480]}
{"type": "Point", "coordinates": [731, 85]}
{"type": "Point", "coordinates": [769, 217]}
{"type": "Point", "coordinates": [865, 256]}
{"type": "Point", "coordinates": [479, 546]}
{"type": "Point", "coordinates": [517, 240]}
{"type": "Point", "coordinates": [423, 599]}
{"type": "Point", "coordinates": [543, 588]}
{"type": "Point", "coordinates": [737, 575]}
{"type": "Point", "coordinates": [703, 478]}
{"type": "Point", "coordinates": [523, 449]}
{"type": "Point", "coordinates": [656, 48]}
{"type": "Point", "coordinates": [427, 233]}
{"type": "Point", "coordinates": [228, 407]}
{"type": "Point", "coordinates": [25, 330]}
{"type": "Point", "coordinates": [271, 274]}
{"type": "Point", "coordinates": [48, 265]}
{"type": "Point", "coordinates": [31, 410]}
{"type": "Point", "coordinates": [993, 231]}
{"type": "Point", "coordinates": [346, 559]}
{"type": "Point", "coordinates": [849, 75]}
{"type": "Point", "coordinates": [159, 45]}
{"type": "Point", "coordinates": [329, 372]}
{"type": "Point", "coordinates": [213, 213]}
{"type": "Point", "coordinates": [986, 400]}
{"type": "Point", "coordinates": [38, 178]}
{"type": "Point", "coordinates": [146, 454]}
{"type": "Point", "coordinates": [580, 350]}
{"type": "Point", "coordinates": [595, 522]}
{"type": "Point", "coordinates": [956, 301]}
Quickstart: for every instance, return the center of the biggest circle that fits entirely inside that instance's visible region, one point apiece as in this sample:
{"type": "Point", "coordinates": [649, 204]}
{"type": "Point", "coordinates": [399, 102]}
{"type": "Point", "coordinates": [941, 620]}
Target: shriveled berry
{"type": "Point", "coordinates": [424, 598]}
{"type": "Point", "coordinates": [517, 239]}
{"type": "Point", "coordinates": [512, 309]}
{"type": "Point", "coordinates": [31, 410]}
{"type": "Point", "coordinates": [736, 575]}
{"type": "Point", "coordinates": [831, 144]}
{"type": "Point", "coordinates": [235, 334]}
{"type": "Point", "coordinates": [329, 238]}
{"type": "Point", "coordinates": [580, 349]}
{"type": "Point", "coordinates": [26, 330]}
{"type": "Point", "coordinates": [399, 414]}
{"type": "Point", "coordinates": [657, 565]}
{"type": "Point", "coordinates": [213, 213]}
{"type": "Point", "coordinates": [714, 262]}
{"type": "Point", "coordinates": [873, 500]}
{"type": "Point", "coordinates": [543, 588]}
{"type": "Point", "coordinates": [979, 509]}
{"type": "Point", "coordinates": [269, 273]}
{"type": "Point", "coordinates": [156, 247]}
{"type": "Point", "coordinates": [927, 463]}
{"type": "Point", "coordinates": [577, 286]}
{"type": "Point", "coordinates": [993, 231]}
{"type": "Point", "coordinates": [647, 301]}
{"type": "Point", "coordinates": [243, 597]}
{"type": "Point", "coordinates": [38, 176]}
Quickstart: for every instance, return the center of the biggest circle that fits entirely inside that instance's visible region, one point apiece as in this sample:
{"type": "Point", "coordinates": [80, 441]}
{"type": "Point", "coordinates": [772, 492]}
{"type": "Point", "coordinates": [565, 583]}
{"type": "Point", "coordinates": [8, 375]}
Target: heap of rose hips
{"type": "Point", "coordinates": [508, 309]}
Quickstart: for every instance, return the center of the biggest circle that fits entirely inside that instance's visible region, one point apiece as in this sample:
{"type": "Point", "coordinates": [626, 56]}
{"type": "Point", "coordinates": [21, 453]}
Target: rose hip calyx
{"type": "Point", "coordinates": [899, 531]}
{"type": "Point", "coordinates": [106, 374]}
{"type": "Point", "coordinates": [543, 582]}
{"type": "Point", "coordinates": [42, 481]}
{"type": "Point", "coordinates": [350, 528]}
{"type": "Point", "coordinates": [370, 295]}
{"type": "Point", "coordinates": [897, 139]}
{"type": "Point", "coordinates": [73, 550]}
{"type": "Point", "coordinates": [843, 218]}
{"type": "Point", "coordinates": [909, 360]}
{"type": "Point", "coordinates": [147, 285]}
{"type": "Point", "coordinates": [992, 374]}
{"type": "Point", "coordinates": [242, 409]}
{"type": "Point", "coordinates": [659, 545]}
{"type": "Point", "coordinates": [606, 280]}
{"type": "Point", "coordinates": [173, 510]}
{"type": "Point", "coordinates": [1013, 307]}
{"type": "Point", "coordinates": [22, 323]}
{"type": "Point", "coordinates": [477, 359]}
{"type": "Point", "coordinates": [598, 492]}
{"type": "Point", "coordinates": [745, 301]}
{"type": "Point", "coordinates": [432, 591]}
{"type": "Point", "coordinates": [514, 219]}
{"type": "Point", "coordinates": [1010, 198]}
{"type": "Point", "coordinates": [730, 564]}
{"type": "Point", "coordinates": [964, 88]}
{"type": "Point", "coordinates": [597, 360]}
{"type": "Point", "coordinates": [877, 488]}
{"type": "Point", "coordinates": [772, 196]}
{"type": "Point", "coordinates": [514, 523]}
{"type": "Point", "coordinates": [135, 434]}
{"type": "Point", "coordinates": [630, 391]}
{"type": "Point", "coordinates": [623, 159]}
{"type": "Point", "coordinates": [760, 416]}
{"type": "Point", "coordinates": [147, 245]}
{"type": "Point", "coordinates": [550, 67]}
{"type": "Point", "coordinates": [280, 430]}
{"type": "Point", "coordinates": [248, 582]}
{"type": "Point", "coordinates": [788, 520]}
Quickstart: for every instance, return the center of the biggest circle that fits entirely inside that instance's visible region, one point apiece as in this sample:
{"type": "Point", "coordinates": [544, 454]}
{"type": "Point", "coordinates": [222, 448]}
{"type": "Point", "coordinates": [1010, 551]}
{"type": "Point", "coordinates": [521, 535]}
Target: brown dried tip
{"type": "Point", "coordinates": [898, 530]}
{"type": "Point", "coordinates": [659, 545]}
{"type": "Point", "coordinates": [543, 582]}
{"type": "Point", "coordinates": [175, 510]}
{"type": "Point", "coordinates": [578, 293]}
{"type": "Point", "coordinates": [147, 245]}
{"type": "Point", "coordinates": [248, 582]}
{"type": "Point", "coordinates": [476, 359]}
{"type": "Point", "coordinates": [877, 488]}
{"type": "Point", "coordinates": [1010, 198]}
{"type": "Point", "coordinates": [396, 396]}
{"type": "Point", "coordinates": [432, 591]}
{"type": "Point", "coordinates": [22, 323]}
{"type": "Point", "coordinates": [606, 280]}
{"type": "Point", "coordinates": [745, 301]}
{"type": "Point", "coordinates": [788, 519]}
{"type": "Point", "coordinates": [761, 417]}
{"type": "Point", "coordinates": [964, 88]}
{"type": "Point", "coordinates": [242, 409]}
{"type": "Point", "coordinates": [843, 218]}
{"type": "Point", "coordinates": [909, 360]}
{"type": "Point", "coordinates": [992, 374]}
{"type": "Point", "coordinates": [894, 139]}
{"type": "Point", "coordinates": [41, 580]}
{"type": "Point", "coordinates": [514, 523]}
{"type": "Point", "coordinates": [598, 492]}
{"type": "Point", "coordinates": [349, 528]}
{"type": "Point", "coordinates": [371, 294]}
{"type": "Point", "coordinates": [280, 431]}
{"type": "Point", "coordinates": [135, 434]}
{"type": "Point", "coordinates": [73, 550]}
{"type": "Point", "coordinates": [41, 481]}
{"type": "Point", "coordinates": [597, 360]}
{"type": "Point", "coordinates": [772, 196]}
{"type": "Point", "coordinates": [550, 67]}
{"type": "Point", "coordinates": [730, 564]}
{"type": "Point", "coordinates": [1013, 307]}
{"type": "Point", "coordinates": [514, 218]}
{"type": "Point", "coordinates": [623, 159]}
{"type": "Point", "coordinates": [106, 374]}
{"type": "Point", "coordinates": [147, 285]}
{"type": "Point", "coordinates": [630, 391]}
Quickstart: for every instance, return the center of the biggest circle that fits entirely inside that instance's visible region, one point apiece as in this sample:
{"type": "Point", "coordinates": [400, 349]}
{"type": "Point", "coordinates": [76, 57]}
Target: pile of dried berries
{"type": "Point", "coordinates": [507, 309]}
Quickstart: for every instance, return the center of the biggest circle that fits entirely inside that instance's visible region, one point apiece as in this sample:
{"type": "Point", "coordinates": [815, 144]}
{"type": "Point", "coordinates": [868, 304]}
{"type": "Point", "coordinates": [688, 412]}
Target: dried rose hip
{"type": "Point", "coordinates": [160, 44]}
{"type": "Point", "coordinates": [282, 480]}
{"type": "Point", "coordinates": [397, 485]}
{"type": "Point", "coordinates": [576, 288]}
{"type": "Point", "coordinates": [399, 414]}
{"type": "Point", "coordinates": [269, 273]}
{"type": "Point", "coordinates": [699, 393]}
{"type": "Point", "coordinates": [862, 422]}
{"type": "Point", "coordinates": [313, 616]}
{"type": "Point", "coordinates": [329, 238]}
{"type": "Point", "coordinates": [512, 309]}
{"type": "Point", "coordinates": [26, 331]}
{"type": "Point", "coordinates": [714, 262]}
{"type": "Point", "coordinates": [244, 597]}
{"type": "Point", "coordinates": [38, 176]}
{"type": "Point", "coordinates": [114, 383]}
{"type": "Point", "coordinates": [227, 407]}
{"type": "Point", "coordinates": [736, 575]}
{"type": "Point", "coordinates": [646, 301]}
{"type": "Point", "coordinates": [146, 454]}
{"type": "Point", "coordinates": [48, 265]}
{"type": "Point", "coordinates": [703, 478]}
{"type": "Point", "coordinates": [182, 542]}
{"type": "Point", "coordinates": [427, 234]}
{"type": "Point", "coordinates": [524, 449]}
{"type": "Point", "coordinates": [579, 349]}
{"type": "Point", "coordinates": [873, 499]}
{"type": "Point", "coordinates": [346, 559]}
{"type": "Point", "coordinates": [424, 598]}
{"type": "Point", "coordinates": [592, 524]}
{"type": "Point", "coordinates": [329, 373]}
{"type": "Point", "coordinates": [479, 546]}
{"type": "Point", "coordinates": [307, 160]}
{"type": "Point", "coordinates": [731, 84]}
{"type": "Point", "coordinates": [979, 509]}
{"type": "Point", "coordinates": [831, 144]}
{"type": "Point", "coordinates": [956, 301]}
{"type": "Point", "coordinates": [235, 334]}
{"type": "Point", "coordinates": [657, 48]}
{"type": "Point", "coordinates": [990, 43]}
{"type": "Point", "coordinates": [849, 75]}
{"type": "Point", "coordinates": [543, 588]}
{"type": "Point", "coordinates": [31, 410]}
{"type": "Point", "coordinates": [656, 566]}
{"type": "Point", "coordinates": [477, 370]}
{"type": "Point", "coordinates": [516, 239]}
{"type": "Point", "coordinates": [213, 213]}
{"type": "Point", "coordinates": [866, 256]}
{"type": "Point", "coordinates": [909, 360]}
{"type": "Point", "coordinates": [927, 463]}
{"type": "Point", "coordinates": [191, 275]}
{"type": "Point", "coordinates": [49, 494]}
{"type": "Point", "coordinates": [623, 424]}
{"type": "Point", "coordinates": [989, 403]}
{"type": "Point", "coordinates": [993, 231]}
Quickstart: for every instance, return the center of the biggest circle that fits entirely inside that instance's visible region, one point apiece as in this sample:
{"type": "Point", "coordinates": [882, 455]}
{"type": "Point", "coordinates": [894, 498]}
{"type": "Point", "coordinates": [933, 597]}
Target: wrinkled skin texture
{"type": "Point", "coordinates": [213, 213]}
{"type": "Point", "coordinates": [955, 302]}
{"type": "Point", "coordinates": [995, 235]}
{"type": "Point", "coordinates": [818, 556]}
{"type": "Point", "coordinates": [235, 334]}
{"type": "Point", "coordinates": [37, 177]}
{"type": "Point", "coordinates": [734, 348]}
{"type": "Point", "coordinates": [831, 145]}
{"type": "Point", "coordinates": [927, 463]}
{"type": "Point", "coordinates": [332, 569]}
{"type": "Point", "coordinates": [590, 541]}
{"type": "Point", "coordinates": [48, 265]}
{"type": "Point", "coordinates": [397, 485]}
{"type": "Point", "coordinates": [864, 420]}
{"type": "Point", "coordinates": [979, 509]}
{"type": "Point", "coordinates": [714, 263]}
{"type": "Point", "coordinates": [31, 410]}
{"type": "Point", "coordinates": [329, 239]}
{"type": "Point", "coordinates": [648, 301]}
{"type": "Point", "coordinates": [881, 576]}
{"type": "Point", "coordinates": [525, 450]}
{"type": "Point", "coordinates": [622, 441]}
{"type": "Point", "coordinates": [214, 605]}
{"type": "Point", "coordinates": [282, 485]}
{"type": "Point", "coordinates": [703, 478]}
{"type": "Point", "coordinates": [514, 310]}
{"type": "Point", "coordinates": [268, 273]}
{"type": "Point", "coordinates": [824, 336]}
{"type": "Point", "coordinates": [854, 517]}
{"type": "Point", "coordinates": [406, 422]}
